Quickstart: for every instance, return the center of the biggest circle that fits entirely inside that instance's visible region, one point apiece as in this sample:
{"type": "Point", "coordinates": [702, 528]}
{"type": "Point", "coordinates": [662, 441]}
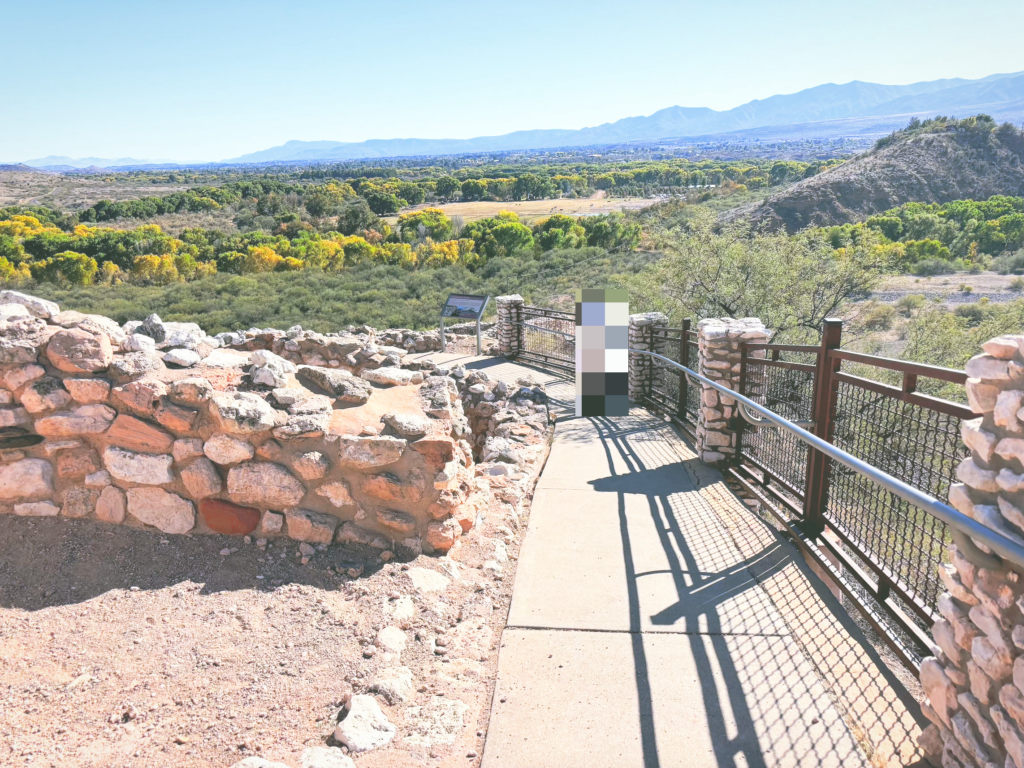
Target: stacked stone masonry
{"type": "Point", "coordinates": [507, 330]}
{"type": "Point", "coordinates": [974, 683]}
{"type": "Point", "coordinates": [718, 342]}
{"type": "Point", "coordinates": [338, 439]}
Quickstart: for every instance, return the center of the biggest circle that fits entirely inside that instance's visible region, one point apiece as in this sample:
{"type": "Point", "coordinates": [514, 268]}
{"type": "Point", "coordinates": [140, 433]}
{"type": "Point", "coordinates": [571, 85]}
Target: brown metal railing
{"type": "Point", "coordinates": [547, 337]}
{"type": "Point", "coordinates": [885, 552]}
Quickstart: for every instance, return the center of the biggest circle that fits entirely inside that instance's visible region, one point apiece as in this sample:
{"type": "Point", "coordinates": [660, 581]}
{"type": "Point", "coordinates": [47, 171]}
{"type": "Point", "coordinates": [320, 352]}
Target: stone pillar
{"type": "Point", "coordinates": [640, 368]}
{"type": "Point", "coordinates": [974, 683]}
{"type": "Point", "coordinates": [509, 313]}
{"type": "Point", "coordinates": [719, 343]}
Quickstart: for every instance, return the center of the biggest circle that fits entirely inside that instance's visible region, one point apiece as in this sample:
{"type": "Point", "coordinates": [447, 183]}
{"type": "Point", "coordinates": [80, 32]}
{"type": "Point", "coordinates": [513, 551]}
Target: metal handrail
{"type": "Point", "coordinates": [963, 528]}
{"type": "Point", "coordinates": [547, 330]}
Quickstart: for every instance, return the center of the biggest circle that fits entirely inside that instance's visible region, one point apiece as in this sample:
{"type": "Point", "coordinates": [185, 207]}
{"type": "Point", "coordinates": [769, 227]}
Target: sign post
{"type": "Point", "coordinates": [464, 307]}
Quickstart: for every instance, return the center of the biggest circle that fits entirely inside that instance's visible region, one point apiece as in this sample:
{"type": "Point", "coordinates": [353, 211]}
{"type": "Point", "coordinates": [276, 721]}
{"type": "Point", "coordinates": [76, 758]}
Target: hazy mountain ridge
{"type": "Point", "coordinates": [1001, 94]}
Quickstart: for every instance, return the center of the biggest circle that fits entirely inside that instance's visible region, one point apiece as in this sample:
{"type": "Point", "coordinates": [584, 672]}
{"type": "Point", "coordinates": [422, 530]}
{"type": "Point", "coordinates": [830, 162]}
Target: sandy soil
{"type": "Point", "coordinates": [123, 647]}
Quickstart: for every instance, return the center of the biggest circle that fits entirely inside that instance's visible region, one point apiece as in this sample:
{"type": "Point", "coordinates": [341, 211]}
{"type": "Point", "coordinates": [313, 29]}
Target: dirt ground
{"type": "Point", "coordinates": [76, 191]}
{"type": "Point", "coordinates": [530, 210]}
{"type": "Point", "coordinates": [124, 647]}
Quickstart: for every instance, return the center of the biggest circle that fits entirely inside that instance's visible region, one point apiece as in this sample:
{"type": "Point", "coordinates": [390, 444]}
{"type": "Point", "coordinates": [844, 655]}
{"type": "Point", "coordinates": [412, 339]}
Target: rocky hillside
{"type": "Point", "coordinates": [934, 164]}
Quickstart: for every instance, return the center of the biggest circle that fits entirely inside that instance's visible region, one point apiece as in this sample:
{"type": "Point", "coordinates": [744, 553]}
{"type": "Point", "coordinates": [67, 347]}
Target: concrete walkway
{"type": "Point", "coordinates": [656, 621]}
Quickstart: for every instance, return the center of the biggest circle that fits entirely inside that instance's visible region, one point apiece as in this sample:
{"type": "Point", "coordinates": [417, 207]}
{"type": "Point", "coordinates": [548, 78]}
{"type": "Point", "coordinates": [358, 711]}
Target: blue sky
{"type": "Point", "coordinates": [195, 81]}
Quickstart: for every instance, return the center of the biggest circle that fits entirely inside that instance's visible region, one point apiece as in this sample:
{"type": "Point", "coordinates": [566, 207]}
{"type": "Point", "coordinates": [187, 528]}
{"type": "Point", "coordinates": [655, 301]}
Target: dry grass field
{"type": "Point", "coordinates": [75, 192]}
{"type": "Point", "coordinates": [531, 210]}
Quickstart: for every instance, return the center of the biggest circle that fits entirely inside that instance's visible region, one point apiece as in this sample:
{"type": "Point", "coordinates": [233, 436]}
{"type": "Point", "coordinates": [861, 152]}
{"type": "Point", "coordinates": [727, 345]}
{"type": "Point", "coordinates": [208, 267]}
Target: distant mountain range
{"type": "Point", "coordinates": [857, 107]}
{"type": "Point", "coordinates": [852, 109]}
{"type": "Point", "coordinates": [62, 162]}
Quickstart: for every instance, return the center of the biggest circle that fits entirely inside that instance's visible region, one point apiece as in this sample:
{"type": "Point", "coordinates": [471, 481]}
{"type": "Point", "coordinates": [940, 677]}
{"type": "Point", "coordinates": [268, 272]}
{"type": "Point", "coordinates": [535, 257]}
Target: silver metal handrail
{"type": "Point", "coordinates": [963, 528]}
{"type": "Point", "coordinates": [547, 330]}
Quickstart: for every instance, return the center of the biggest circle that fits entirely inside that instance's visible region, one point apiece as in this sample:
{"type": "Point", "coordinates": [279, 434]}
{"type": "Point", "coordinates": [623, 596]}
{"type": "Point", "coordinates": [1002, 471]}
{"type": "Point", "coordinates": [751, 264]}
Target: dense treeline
{"type": "Point", "coordinates": [386, 190]}
{"type": "Point", "coordinates": [35, 247]}
{"type": "Point", "coordinates": [930, 239]}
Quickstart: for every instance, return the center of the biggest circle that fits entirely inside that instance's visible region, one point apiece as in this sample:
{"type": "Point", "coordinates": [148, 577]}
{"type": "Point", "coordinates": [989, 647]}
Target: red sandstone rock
{"type": "Point", "coordinates": [136, 435]}
{"type": "Point", "coordinates": [437, 451]}
{"type": "Point", "coordinates": [442, 536]}
{"type": "Point", "coordinates": [224, 517]}
{"type": "Point", "coordinates": [141, 397]}
{"type": "Point", "coordinates": [176, 418]}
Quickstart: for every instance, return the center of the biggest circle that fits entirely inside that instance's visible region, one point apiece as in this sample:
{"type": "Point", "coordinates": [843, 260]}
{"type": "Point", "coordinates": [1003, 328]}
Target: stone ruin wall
{"type": "Point", "coordinates": [159, 425]}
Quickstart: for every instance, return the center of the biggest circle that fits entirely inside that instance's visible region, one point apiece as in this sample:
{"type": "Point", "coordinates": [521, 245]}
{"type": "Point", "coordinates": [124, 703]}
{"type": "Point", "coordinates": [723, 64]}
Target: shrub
{"type": "Point", "coordinates": [907, 304]}
{"type": "Point", "coordinates": [931, 267]}
{"type": "Point", "coordinates": [1011, 264]}
{"type": "Point", "coordinates": [1017, 284]}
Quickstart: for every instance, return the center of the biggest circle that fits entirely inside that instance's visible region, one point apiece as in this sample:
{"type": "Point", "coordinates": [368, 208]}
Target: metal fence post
{"type": "Point", "coordinates": [823, 412]}
{"type": "Point", "coordinates": [684, 360]}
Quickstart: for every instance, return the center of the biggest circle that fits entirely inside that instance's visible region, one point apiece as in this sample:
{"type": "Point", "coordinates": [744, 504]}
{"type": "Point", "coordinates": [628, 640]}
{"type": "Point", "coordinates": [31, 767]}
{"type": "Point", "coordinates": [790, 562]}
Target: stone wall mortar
{"type": "Point", "coordinates": [718, 342]}
{"type": "Point", "coordinates": [974, 681]}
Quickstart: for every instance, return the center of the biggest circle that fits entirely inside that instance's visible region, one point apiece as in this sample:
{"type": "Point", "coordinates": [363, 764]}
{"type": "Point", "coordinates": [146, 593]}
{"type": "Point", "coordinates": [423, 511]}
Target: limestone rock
{"type": "Point", "coordinates": [26, 479]}
{"type": "Point", "coordinates": [201, 478]}
{"type": "Point", "coordinates": [337, 383]}
{"type": "Point", "coordinates": [439, 723]}
{"type": "Point", "coordinates": [224, 517]}
{"type": "Point", "coordinates": [111, 506]}
{"type": "Point", "coordinates": [394, 684]}
{"type": "Point", "coordinates": [192, 391]}
{"type": "Point", "coordinates": [84, 420]}
{"type": "Point", "coordinates": [365, 726]}
{"type": "Point", "coordinates": [14, 417]}
{"type": "Point", "coordinates": [285, 396]}
{"type": "Point", "coordinates": [138, 342]}
{"type": "Point", "coordinates": [88, 391]}
{"type": "Point", "coordinates": [181, 358]}
{"type": "Point", "coordinates": [391, 639]}
{"type": "Point", "coordinates": [242, 413]}
{"type": "Point", "coordinates": [271, 523]}
{"type": "Point", "coordinates": [79, 502]}
{"type": "Point", "coordinates": [392, 376]}
{"type": "Point", "coordinates": [325, 757]}
{"type": "Point", "coordinates": [22, 375]}
{"type": "Point", "coordinates": [337, 493]}
{"type": "Point", "coordinates": [311, 465]}
{"type": "Point", "coordinates": [161, 509]}
{"type": "Point", "coordinates": [303, 427]}
{"type": "Point", "coordinates": [311, 405]}
{"type": "Point", "coordinates": [1011, 448]}
{"type": "Point", "coordinates": [141, 397]}
{"type": "Point", "coordinates": [137, 435]}
{"type": "Point", "coordinates": [37, 307]}
{"type": "Point", "coordinates": [980, 479]}
{"type": "Point", "coordinates": [225, 449]}
{"type": "Point", "coordinates": [309, 526]}
{"type": "Point", "coordinates": [426, 580]}
{"type": "Point", "coordinates": [135, 365]}
{"type": "Point", "coordinates": [99, 479]}
{"type": "Point", "coordinates": [186, 448]}
{"type": "Point", "coordinates": [264, 484]}
{"type": "Point", "coordinates": [36, 509]}
{"type": "Point", "coordinates": [988, 367]}
{"type": "Point", "coordinates": [409, 426]}
{"type": "Point", "coordinates": [1002, 347]}
{"type": "Point", "coordinates": [75, 350]}
{"type": "Point", "coordinates": [142, 468]}
{"type": "Point", "coordinates": [45, 394]}
{"type": "Point", "coordinates": [269, 369]}
{"type": "Point", "coordinates": [10, 311]}
{"type": "Point", "coordinates": [369, 452]}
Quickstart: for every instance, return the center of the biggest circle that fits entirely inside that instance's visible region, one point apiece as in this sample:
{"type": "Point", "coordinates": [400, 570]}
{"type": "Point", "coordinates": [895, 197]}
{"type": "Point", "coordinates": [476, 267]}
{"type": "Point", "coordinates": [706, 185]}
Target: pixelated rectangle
{"type": "Point", "coordinates": [602, 352]}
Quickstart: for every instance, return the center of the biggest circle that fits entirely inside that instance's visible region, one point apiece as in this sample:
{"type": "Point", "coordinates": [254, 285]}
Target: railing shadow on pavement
{"type": "Point", "coordinates": [717, 581]}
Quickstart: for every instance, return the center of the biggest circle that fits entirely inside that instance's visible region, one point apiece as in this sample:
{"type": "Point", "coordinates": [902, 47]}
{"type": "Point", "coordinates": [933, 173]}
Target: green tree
{"type": "Point", "coordinates": [447, 187]}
